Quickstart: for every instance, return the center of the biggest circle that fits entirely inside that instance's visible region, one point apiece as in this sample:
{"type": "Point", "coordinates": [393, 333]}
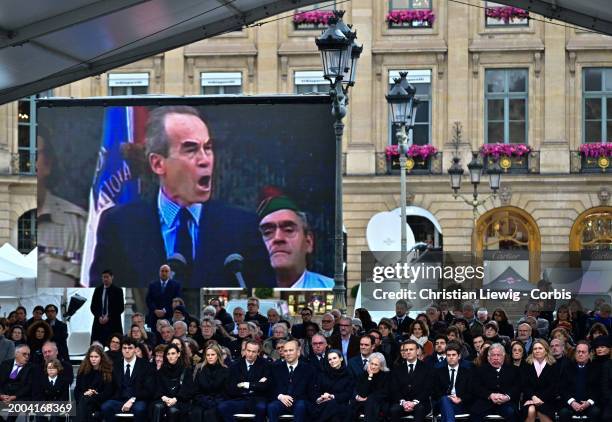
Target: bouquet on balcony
{"type": "Point", "coordinates": [313, 16]}
{"type": "Point", "coordinates": [596, 150]}
{"type": "Point", "coordinates": [506, 13]}
{"type": "Point", "coordinates": [409, 16]}
{"type": "Point", "coordinates": [510, 150]}
{"type": "Point", "coordinates": [415, 151]}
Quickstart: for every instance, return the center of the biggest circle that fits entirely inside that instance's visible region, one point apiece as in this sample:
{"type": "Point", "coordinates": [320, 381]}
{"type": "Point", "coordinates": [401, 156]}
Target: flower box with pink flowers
{"type": "Point", "coordinates": [511, 157]}
{"type": "Point", "coordinates": [411, 18]}
{"type": "Point", "coordinates": [506, 15]}
{"type": "Point", "coordinates": [596, 156]}
{"type": "Point", "coordinates": [419, 158]}
{"type": "Point", "coordinates": [312, 19]}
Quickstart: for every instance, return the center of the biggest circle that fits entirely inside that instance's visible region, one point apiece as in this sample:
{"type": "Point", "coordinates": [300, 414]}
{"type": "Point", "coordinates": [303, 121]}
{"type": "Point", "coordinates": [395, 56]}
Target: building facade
{"type": "Point", "coordinates": [484, 74]}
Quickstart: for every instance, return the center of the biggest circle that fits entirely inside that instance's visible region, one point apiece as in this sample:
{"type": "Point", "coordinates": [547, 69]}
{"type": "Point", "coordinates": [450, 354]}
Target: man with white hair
{"type": "Point", "coordinates": [327, 325]}
{"type": "Point", "coordinates": [180, 330]}
{"type": "Point", "coordinates": [483, 315]}
{"type": "Point", "coordinates": [498, 388]}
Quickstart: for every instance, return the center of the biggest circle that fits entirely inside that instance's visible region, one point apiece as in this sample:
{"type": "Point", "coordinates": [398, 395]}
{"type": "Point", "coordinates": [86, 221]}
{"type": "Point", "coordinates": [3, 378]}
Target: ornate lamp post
{"type": "Point", "coordinates": [402, 106]}
{"type": "Point", "coordinates": [339, 53]}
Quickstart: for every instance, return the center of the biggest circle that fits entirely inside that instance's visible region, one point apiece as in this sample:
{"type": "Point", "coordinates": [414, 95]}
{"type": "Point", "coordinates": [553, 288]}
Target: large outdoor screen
{"type": "Point", "coordinates": [230, 191]}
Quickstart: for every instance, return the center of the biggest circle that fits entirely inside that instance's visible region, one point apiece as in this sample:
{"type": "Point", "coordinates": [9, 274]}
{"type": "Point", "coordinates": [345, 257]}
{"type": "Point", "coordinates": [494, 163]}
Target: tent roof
{"type": "Point", "coordinates": [44, 44]}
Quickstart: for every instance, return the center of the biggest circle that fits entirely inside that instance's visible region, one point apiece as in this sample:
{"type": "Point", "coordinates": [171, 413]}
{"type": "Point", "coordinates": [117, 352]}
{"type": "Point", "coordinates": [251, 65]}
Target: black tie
{"type": "Point", "coordinates": [248, 367]}
{"type": "Point", "coordinates": [290, 373]}
{"type": "Point", "coordinates": [365, 362]}
{"type": "Point", "coordinates": [441, 358]}
{"type": "Point", "coordinates": [184, 244]}
{"type": "Point", "coordinates": [410, 368]}
{"type": "Point", "coordinates": [163, 286]}
{"type": "Point", "coordinates": [127, 371]}
{"type": "Point", "coordinates": [452, 381]}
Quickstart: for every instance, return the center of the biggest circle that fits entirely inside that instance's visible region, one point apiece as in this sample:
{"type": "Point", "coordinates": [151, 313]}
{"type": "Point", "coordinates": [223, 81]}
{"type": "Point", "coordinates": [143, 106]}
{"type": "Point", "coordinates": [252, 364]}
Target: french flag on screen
{"type": "Point", "coordinates": [114, 182]}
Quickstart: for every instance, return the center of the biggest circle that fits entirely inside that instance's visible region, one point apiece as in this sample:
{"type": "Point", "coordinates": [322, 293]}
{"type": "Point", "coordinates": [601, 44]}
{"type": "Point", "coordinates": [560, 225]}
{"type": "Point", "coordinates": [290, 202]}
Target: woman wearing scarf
{"type": "Point", "coordinates": [419, 332]}
{"type": "Point", "coordinates": [334, 390]}
{"type": "Point", "coordinates": [540, 380]}
{"type": "Point", "coordinates": [175, 388]}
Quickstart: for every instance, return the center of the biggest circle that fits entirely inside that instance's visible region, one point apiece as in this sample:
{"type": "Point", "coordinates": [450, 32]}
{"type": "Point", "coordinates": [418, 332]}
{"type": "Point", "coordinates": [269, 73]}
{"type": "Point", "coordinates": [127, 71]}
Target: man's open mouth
{"type": "Point", "coordinates": [204, 182]}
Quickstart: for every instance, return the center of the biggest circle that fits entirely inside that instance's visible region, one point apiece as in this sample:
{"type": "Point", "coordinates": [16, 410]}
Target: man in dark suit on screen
{"type": "Point", "coordinates": [160, 295]}
{"type": "Point", "coordinates": [106, 306]}
{"type": "Point", "coordinates": [183, 221]}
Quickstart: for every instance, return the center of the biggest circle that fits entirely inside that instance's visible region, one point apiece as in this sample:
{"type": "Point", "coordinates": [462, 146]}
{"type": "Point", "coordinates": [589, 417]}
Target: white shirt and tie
{"type": "Point", "coordinates": [52, 381]}
{"type": "Point", "coordinates": [452, 376]}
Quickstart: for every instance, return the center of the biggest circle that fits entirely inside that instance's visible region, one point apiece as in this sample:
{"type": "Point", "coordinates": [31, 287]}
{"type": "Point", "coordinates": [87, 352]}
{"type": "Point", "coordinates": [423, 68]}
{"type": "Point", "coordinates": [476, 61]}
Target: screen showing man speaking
{"type": "Point", "coordinates": [230, 192]}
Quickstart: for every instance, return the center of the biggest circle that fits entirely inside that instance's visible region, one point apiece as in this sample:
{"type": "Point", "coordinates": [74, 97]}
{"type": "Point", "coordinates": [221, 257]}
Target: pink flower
{"type": "Point", "coordinates": [410, 15]}
{"type": "Point", "coordinates": [511, 150]}
{"type": "Point", "coordinates": [506, 13]}
{"type": "Point", "coordinates": [596, 149]}
{"type": "Point", "coordinates": [313, 16]}
{"type": "Point", "coordinates": [415, 151]}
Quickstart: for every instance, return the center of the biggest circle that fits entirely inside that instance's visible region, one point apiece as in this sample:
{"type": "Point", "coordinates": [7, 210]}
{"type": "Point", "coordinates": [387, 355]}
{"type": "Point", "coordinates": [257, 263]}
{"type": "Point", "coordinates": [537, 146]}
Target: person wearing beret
{"type": "Point", "coordinates": [289, 240]}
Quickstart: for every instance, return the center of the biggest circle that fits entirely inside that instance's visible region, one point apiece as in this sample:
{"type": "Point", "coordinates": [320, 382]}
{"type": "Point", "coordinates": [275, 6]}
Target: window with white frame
{"type": "Point", "coordinates": [506, 106]}
{"type": "Point", "coordinates": [421, 80]}
{"type": "Point", "coordinates": [310, 81]}
{"type": "Point", "coordinates": [597, 100]}
{"type": "Point", "coordinates": [128, 83]}
{"type": "Point", "coordinates": [497, 14]}
{"type": "Point", "coordinates": [26, 133]}
{"type": "Point", "coordinates": [219, 83]}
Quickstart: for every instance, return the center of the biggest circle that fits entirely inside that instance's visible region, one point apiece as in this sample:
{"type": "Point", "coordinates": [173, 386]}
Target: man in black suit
{"type": "Point", "coordinates": [357, 364]}
{"type": "Point", "coordinates": [133, 377]}
{"type": "Point", "coordinates": [345, 341]}
{"type": "Point", "coordinates": [298, 330]}
{"type": "Point", "coordinates": [106, 306]}
{"type": "Point", "coordinates": [159, 296]}
{"type": "Point", "coordinates": [498, 388]}
{"type": "Point", "coordinates": [579, 387]}
{"type": "Point", "coordinates": [248, 386]}
{"type": "Point", "coordinates": [51, 351]}
{"type": "Point", "coordinates": [524, 334]}
{"type": "Point", "coordinates": [136, 238]}
{"type": "Point", "coordinates": [318, 358]}
{"type": "Point", "coordinates": [253, 314]}
{"type": "Point", "coordinates": [60, 331]}
{"type": "Point", "coordinates": [411, 385]}
{"type": "Point", "coordinates": [401, 318]}
{"type": "Point", "coordinates": [291, 381]}
{"type": "Point", "coordinates": [438, 358]}
{"type": "Point", "coordinates": [452, 389]}
{"type": "Point", "coordinates": [16, 378]}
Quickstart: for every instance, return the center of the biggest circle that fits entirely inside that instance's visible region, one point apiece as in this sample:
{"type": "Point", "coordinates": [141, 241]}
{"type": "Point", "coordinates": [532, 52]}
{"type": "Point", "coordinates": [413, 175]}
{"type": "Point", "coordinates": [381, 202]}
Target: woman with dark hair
{"type": "Point", "coordinates": [453, 333]}
{"type": "Point", "coordinates": [193, 331]}
{"type": "Point", "coordinates": [540, 383]}
{"type": "Point", "coordinates": [564, 319]}
{"type": "Point", "coordinates": [17, 334]}
{"type": "Point", "coordinates": [334, 390]}
{"type": "Point", "coordinates": [142, 350]}
{"type": "Point", "coordinates": [419, 332]}
{"type": "Point", "coordinates": [597, 330]}
{"type": "Point", "coordinates": [174, 389]}
{"type": "Point", "coordinates": [505, 328]}
{"type": "Point", "coordinates": [94, 383]}
{"type": "Point", "coordinates": [310, 329]}
{"type": "Point", "coordinates": [210, 379]}
{"type": "Point", "coordinates": [464, 329]}
{"type": "Point", "coordinates": [184, 354]}
{"type": "Point", "coordinates": [366, 319]}
{"type": "Point", "coordinates": [483, 357]}
{"type": "Point", "coordinates": [372, 389]}
{"type": "Point", "coordinates": [579, 318]}
{"type": "Point", "coordinates": [54, 386]}
{"type": "Point", "coordinates": [39, 333]}
{"type": "Point", "coordinates": [517, 353]}
{"type": "Point", "coordinates": [388, 346]}
{"type": "Point", "coordinates": [114, 347]}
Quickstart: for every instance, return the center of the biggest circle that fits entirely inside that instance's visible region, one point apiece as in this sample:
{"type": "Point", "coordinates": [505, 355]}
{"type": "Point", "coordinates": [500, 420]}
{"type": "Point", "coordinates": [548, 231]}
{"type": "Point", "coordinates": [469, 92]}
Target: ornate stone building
{"type": "Point", "coordinates": [511, 79]}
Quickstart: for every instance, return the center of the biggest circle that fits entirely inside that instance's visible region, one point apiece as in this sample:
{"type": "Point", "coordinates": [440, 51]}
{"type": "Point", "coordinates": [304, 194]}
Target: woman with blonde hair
{"type": "Point", "coordinates": [540, 383]}
{"type": "Point", "coordinates": [212, 375]}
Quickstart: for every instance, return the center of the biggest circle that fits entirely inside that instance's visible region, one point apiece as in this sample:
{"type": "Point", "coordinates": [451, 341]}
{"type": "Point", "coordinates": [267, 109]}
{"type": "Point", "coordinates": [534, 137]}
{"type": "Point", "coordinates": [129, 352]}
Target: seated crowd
{"type": "Point", "coordinates": [556, 365]}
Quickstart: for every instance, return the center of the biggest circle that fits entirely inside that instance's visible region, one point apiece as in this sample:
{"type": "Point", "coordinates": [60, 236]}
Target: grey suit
{"type": "Point", "coordinates": [7, 349]}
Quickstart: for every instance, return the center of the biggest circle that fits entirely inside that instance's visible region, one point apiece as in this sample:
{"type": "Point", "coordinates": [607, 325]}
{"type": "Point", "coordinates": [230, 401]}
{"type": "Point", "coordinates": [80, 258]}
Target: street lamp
{"type": "Point", "coordinates": [339, 54]}
{"type": "Point", "coordinates": [402, 106]}
{"type": "Point", "coordinates": [475, 169]}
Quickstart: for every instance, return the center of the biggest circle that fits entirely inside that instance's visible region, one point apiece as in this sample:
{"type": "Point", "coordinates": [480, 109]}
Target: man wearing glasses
{"type": "Point", "coordinates": [289, 240]}
{"type": "Point", "coordinates": [16, 378]}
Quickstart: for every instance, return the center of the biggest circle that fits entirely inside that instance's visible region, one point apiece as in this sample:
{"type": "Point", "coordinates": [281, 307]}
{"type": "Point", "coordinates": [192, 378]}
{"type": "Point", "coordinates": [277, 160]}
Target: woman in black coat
{"type": "Point", "coordinates": [53, 386]}
{"type": "Point", "coordinates": [94, 383]}
{"type": "Point", "coordinates": [175, 388]}
{"type": "Point", "coordinates": [334, 391]}
{"type": "Point", "coordinates": [211, 378]}
{"type": "Point", "coordinates": [540, 381]}
{"type": "Point", "coordinates": [371, 389]}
